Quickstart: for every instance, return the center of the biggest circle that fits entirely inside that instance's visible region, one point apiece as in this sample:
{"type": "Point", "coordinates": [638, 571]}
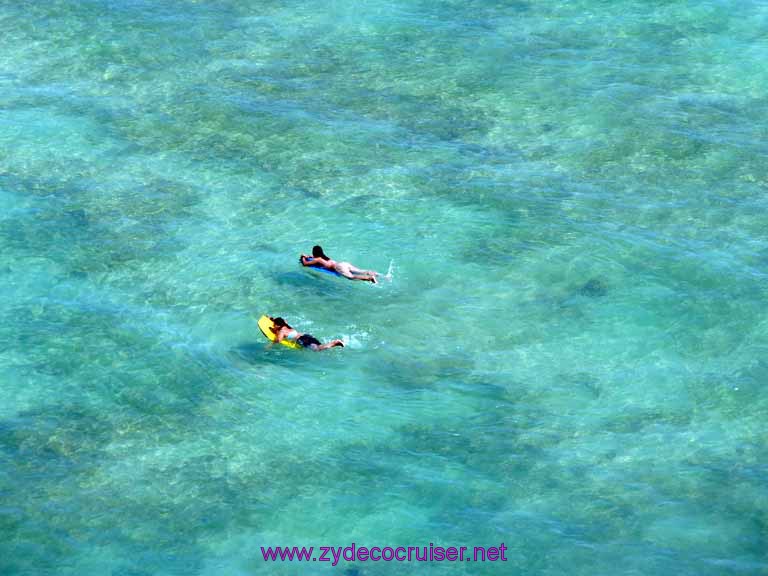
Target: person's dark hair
{"type": "Point", "coordinates": [317, 252]}
{"type": "Point", "coordinates": [279, 322]}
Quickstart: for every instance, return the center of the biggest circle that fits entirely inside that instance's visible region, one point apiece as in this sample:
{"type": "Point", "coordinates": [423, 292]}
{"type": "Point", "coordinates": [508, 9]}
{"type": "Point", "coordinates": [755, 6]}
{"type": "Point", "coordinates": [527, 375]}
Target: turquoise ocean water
{"type": "Point", "coordinates": [571, 359]}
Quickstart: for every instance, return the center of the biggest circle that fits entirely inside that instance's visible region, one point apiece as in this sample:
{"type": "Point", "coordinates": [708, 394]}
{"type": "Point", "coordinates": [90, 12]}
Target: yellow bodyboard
{"type": "Point", "coordinates": [265, 325]}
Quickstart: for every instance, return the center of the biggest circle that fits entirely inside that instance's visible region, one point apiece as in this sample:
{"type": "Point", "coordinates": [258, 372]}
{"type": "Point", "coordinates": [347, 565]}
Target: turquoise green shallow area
{"type": "Point", "coordinates": [572, 355]}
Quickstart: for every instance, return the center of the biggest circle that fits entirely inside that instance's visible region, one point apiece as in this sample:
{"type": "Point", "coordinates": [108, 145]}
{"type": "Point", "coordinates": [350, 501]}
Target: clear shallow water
{"type": "Point", "coordinates": [570, 359]}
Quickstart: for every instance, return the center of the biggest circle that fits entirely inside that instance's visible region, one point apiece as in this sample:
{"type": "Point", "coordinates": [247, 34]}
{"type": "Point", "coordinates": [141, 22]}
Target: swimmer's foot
{"type": "Point", "coordinates": [373, 280]}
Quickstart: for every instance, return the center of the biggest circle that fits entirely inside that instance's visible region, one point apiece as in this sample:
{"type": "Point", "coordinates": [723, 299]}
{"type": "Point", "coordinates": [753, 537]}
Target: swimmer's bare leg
{"type": "Point", "coordinates": [361, 272]}
{"type": "Point", "coordinates": [330, 344]}
{"type": "Point", "coordinates": [351, 276]}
